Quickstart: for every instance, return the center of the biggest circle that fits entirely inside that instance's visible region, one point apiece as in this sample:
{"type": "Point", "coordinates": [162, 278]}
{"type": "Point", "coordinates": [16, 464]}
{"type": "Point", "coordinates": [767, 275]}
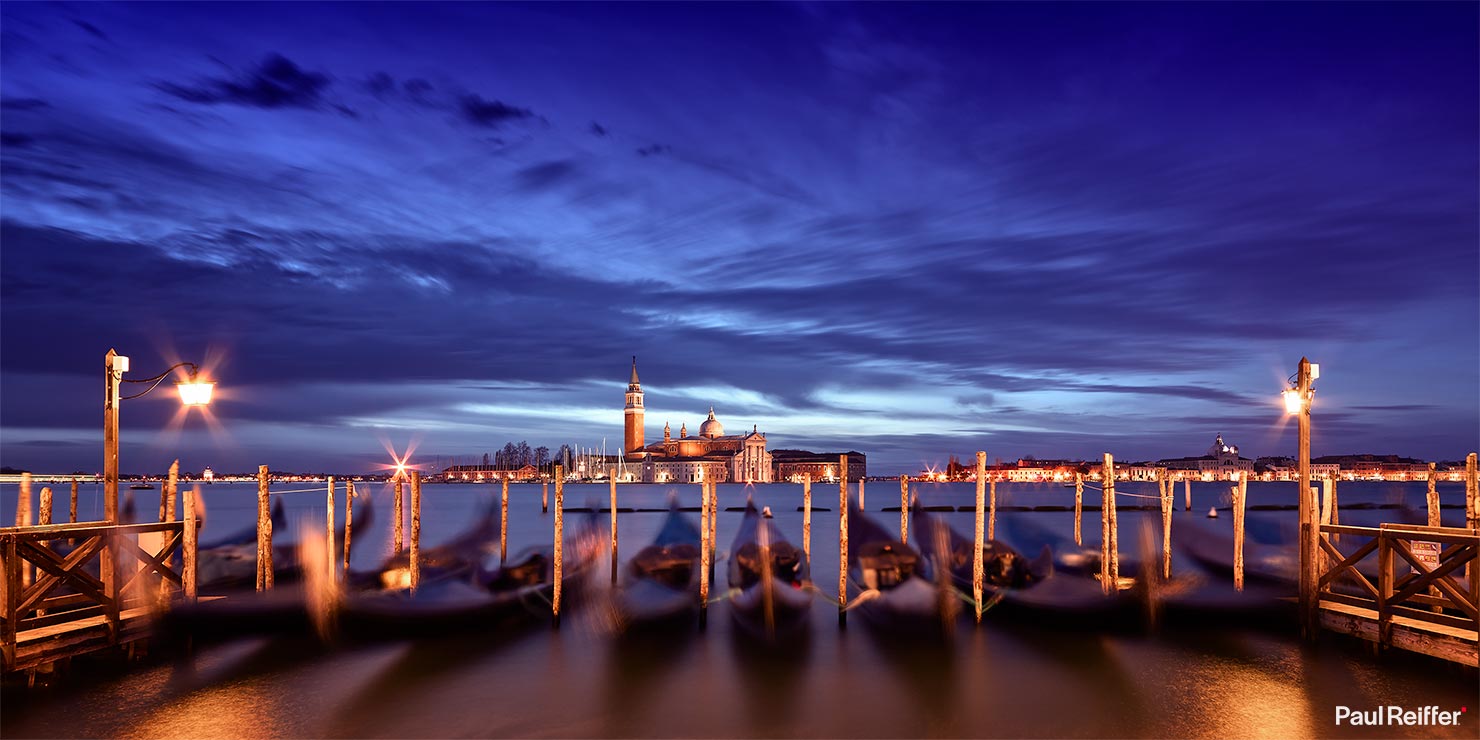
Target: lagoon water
{"type": "Point", "coordinates": [1002, 679]}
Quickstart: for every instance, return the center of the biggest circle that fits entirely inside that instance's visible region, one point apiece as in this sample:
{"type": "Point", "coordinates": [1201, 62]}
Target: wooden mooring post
{"type": "Point", "coordinates": [1472, 514]}
{"type": "Point", "coordinates": [44, 516]}
{"type": "Point", "coordinates": [992, 507]}
{"type": "Point", "coordinates": [559, 570]}
{"type": "Point", "coordinates": [23, 502]}
{"type": "Point", "coordinates": [861, 505]}
{"type": "Point", "coordinates": [1236, 493]}
{"type": "Point", "coordinates": [842, 540]}
{"type": "Point", "coordinates": [349, 520]}
{"type": "Point", "coordinates": [704, 515]}
{"type": "Point", "coordinates": [1168, 494]}
{"type": "Point", "coordinates": [1472, 493]}
{"type": "Point", "coordinates": [545, 493]}
{"type": "Point", "coordinates": [904, 509]}
{"type": "Point", "coordinates": [398, 515]}
{"type": "Point", "coordinates": [613, 478]}
{"type": "Point", "coordinates": [329, 531]}
{"type": "Point", "coordinates": [264, 532]}
{"type": "Point", "coordinates": [1109, 537]}
{"type": "Point", "coordinates": [503, 522]}
{"type": "Point", "coordinates": [1078, 507]}
{"type": "Point", "coordinates": [807, 519]}
{"type": "Point", "coordinates": [978, 570]}
{"type": "Point", "coordinates": [1328, 500]}
{"type": "Point", "coordinates": [189, 545]}
{"type": "Point", "coordinates": [415, 558]}
{"type": "Point", "coordinates": [1186, 492]}
{"type": "Point", "coordinates": [1432, 497]}
{"type": "Point", "coordinates": [167, 493]}
{"type": "Point", "coordinates": [72, 507]}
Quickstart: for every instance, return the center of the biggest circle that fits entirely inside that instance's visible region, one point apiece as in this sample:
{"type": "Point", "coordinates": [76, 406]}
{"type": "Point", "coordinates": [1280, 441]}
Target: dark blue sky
{"type": "Point", "coordinates": [910, 230]}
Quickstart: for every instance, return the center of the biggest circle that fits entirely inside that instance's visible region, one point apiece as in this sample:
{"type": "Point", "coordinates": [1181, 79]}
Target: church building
{"type": "Point", "coordinates": [710, 455]}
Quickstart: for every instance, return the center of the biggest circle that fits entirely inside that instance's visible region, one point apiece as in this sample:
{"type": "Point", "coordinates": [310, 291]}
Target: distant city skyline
{"type": "Point", "coordinates": [913, 230]}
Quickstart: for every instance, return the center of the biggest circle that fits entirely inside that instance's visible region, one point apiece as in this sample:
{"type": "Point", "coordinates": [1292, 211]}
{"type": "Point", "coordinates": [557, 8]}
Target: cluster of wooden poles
{"type": "Point", "coordinates": [170, 499]}
{"type": "Point", "coordinates": [985, 529]}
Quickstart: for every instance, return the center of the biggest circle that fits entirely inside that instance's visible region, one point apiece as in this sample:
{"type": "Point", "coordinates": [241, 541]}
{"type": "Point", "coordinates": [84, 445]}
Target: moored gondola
{"type": "Point", "coordinates": [769, 577]}
{"type": "Point", "coordinates": [660, 585]}
{"type": "Point", "coordinates": [890, 590]}
{"type": "Point", "coordinates": [1027, 590]}
{"type": "Point", "coordinates": [454, 597]}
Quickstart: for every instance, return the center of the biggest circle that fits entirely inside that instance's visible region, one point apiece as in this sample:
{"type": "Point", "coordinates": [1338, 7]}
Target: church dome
{"type": "Point", "coordinates": [711, 427]}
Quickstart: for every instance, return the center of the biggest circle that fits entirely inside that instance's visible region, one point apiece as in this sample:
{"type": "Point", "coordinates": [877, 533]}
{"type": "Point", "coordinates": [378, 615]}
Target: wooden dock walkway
{"type": "Point", "coordinates": [72, 589]}
{"type": "Point", "coordinates": [1426, 598]}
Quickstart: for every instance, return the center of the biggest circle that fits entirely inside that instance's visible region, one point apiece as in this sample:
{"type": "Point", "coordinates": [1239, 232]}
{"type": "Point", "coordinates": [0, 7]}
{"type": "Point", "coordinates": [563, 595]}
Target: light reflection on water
{"type": "Point", "coordinates": [1000, 680]}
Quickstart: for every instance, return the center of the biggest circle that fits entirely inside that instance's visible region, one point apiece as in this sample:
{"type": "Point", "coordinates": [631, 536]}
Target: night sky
{"type": "Point", "coordinates": [908, 230]}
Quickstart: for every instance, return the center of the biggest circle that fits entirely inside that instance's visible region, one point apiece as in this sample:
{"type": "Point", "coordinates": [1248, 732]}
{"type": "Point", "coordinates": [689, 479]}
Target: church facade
{"type": "Point", "coordinates": [710, 455]}
{"type": "Point", "coordinates": [1222, 462]}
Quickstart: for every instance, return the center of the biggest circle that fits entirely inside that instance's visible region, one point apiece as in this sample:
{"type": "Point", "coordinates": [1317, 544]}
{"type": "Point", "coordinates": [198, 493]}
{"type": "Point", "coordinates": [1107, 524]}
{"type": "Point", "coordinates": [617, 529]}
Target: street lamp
{"type": "Point", "coordinates": [193, 391]}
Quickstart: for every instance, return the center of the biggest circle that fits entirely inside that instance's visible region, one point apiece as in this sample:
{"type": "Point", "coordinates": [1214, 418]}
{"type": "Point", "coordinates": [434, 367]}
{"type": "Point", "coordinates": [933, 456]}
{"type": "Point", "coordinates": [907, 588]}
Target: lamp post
{"type": "Point", "coordinates": [1298, 403]}
{"type": "Point", "coordinates": [193, 392]}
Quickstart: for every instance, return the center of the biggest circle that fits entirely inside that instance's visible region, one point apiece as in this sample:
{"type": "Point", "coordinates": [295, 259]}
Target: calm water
{"type": "Point", "coordinates": [998, 680]}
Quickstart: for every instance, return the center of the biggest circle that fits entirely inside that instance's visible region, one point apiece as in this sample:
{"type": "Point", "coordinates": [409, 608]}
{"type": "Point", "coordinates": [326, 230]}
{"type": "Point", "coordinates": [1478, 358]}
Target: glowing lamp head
{"type": "Point", "coordinates": [195, 392]}
{"type": "Point", "coordinates": [1293, 402]}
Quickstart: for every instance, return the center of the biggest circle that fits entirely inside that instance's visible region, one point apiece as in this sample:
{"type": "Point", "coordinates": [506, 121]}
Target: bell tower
{"type": "Point", "coordinates": [633, 438]}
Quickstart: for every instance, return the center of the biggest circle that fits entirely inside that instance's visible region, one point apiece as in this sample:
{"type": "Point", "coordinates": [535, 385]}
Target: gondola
{"type": "Point", "coordinates": [454, 591]}
{"type": "Point", "coordinates": [231, 561]}
{"type": "Point", "coordinates": [770, 603]}
{"type": "Point", "coordinates": [1031, 591]}
{"type": "Point", "coordinates": [1273, 565]}
{"type": "Point", "coordinates": [451, 598]}
{"type": "Point", "coordinates": [661, 583]}
{"type": "Point", "coordinates": [1003, 566]}
{"type": "Point", "coordinates": [1068, 558]}
{"type": "Point", "coordinates": [458, 557]}
{"type": "Point", "coordinates": [892, 593]}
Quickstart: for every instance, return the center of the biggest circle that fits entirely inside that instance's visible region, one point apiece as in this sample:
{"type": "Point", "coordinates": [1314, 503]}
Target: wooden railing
{"type": "Point", "coordinates": [50, 577]}
{"type": "Point", "coordinates": [1445, 592]}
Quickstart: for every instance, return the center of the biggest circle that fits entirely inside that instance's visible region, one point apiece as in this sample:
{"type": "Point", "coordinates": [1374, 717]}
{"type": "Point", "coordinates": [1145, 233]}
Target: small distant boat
{"type": "Point", "coordinates": [770, 574]}
{"type": "Point", "coordinates": [661, 584]}
{"type": "Point", "coordinates": [142, 486]}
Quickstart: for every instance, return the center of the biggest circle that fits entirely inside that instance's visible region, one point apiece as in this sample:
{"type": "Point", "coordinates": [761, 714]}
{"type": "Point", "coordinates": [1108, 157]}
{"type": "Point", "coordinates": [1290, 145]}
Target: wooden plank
{"type": "Point", "coordinates": [1405, 527]}
{"type": "Point", "coordinates": [1360, 602]}
{"type": "Point", "coordinates": [70, 531]}
{"type": "Point", "coordinates": [1351, 530]}
{"type": "Point", "coordinates": [1429, 617]}
{"type": "Point", "coordinates": [50, 631]}
{"type": "Point", "coordinates": [54, 643]}
{"type": "Point", "coordinates": [1439, 641]}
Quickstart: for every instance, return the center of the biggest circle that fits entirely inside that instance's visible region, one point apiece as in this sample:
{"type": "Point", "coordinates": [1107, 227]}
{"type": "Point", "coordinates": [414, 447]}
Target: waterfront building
{"type": "Point", "coordinates": [796, 465]}
{"type": "Point", "coordinates": [479, 473]}
{"type": "Point", "coordinates": [1221, 462]}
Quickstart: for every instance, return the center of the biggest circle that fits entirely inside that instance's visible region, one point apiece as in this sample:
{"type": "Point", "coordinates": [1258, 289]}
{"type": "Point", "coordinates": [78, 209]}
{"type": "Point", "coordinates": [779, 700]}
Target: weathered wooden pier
{"type": "Point", "coordinates": [60, 603]}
